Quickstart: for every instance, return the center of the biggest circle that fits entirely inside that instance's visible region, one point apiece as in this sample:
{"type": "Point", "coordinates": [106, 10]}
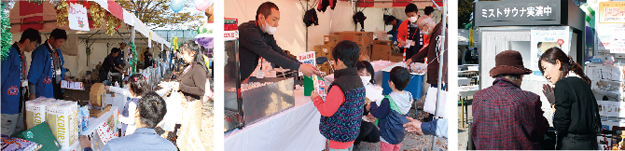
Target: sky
{"type": "Point", "coordinates": [190, 7]}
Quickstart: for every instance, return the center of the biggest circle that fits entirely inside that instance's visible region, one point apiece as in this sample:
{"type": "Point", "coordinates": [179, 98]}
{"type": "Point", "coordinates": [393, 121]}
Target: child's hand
{"type": "Point", "coordinates": [313, 95]}
{"type": "Point", "coordinates": [371, 117]}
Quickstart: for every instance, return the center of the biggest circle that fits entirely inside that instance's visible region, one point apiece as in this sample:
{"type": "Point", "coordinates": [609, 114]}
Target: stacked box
{"type": "Point", "coordinates": [322, 51]}
{"type": "Point", "coordinates": [381, 50]}
{"type": "Point", "coordinates": [396, 57]}
{"type": "Point", "coordinates": [62, 118]}
{"type": "Point", "coordinates": [360, 38]}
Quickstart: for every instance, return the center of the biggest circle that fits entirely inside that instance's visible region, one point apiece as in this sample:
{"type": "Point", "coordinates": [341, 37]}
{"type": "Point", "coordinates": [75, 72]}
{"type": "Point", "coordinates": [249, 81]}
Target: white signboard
{"type": "Point", "coordinates": [77, 17]}
{"type": "Point", "coordinates": [544, 38]}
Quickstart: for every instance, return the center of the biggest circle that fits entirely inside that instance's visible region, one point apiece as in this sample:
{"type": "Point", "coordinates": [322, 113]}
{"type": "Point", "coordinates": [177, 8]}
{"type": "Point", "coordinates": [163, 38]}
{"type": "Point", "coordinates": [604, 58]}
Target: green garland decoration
{"type": "Point", "coordinates": [5, 28]}
{"type": "Point", "coordinates": [36, 1]}
{"type": "Point", "coordinates": [133, 60]}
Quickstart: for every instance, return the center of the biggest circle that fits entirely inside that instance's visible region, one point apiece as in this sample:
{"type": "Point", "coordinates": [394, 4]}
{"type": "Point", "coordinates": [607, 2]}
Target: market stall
{"type": "Point", "coordinates": [93, 27]}
{"type": "Point", "coordinates": [264, 110]}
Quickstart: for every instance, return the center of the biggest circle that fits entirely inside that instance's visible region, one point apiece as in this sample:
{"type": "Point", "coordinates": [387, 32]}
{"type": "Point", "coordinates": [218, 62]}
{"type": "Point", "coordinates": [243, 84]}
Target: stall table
{"type": "Point", "coordinates": [296, 128]}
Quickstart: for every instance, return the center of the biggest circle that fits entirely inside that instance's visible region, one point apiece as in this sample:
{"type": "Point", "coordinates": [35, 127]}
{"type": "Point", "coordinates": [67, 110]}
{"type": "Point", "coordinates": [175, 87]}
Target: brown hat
{"type": "Point", "coordinates": [509, 62]}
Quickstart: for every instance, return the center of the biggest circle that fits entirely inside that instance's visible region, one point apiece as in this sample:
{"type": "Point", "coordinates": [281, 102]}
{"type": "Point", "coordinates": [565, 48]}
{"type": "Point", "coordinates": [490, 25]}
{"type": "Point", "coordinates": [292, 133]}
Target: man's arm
{"type": "Point", "coordinates": [421, 54]}
{"type": "Point", "coordinates": [6, 67]}
{"type": "Point", "coordinates": [278, 49]}
{"type": "Point", "coordinates": [252, 40]}
{"type": "Point", "coordinates": [36, 69]}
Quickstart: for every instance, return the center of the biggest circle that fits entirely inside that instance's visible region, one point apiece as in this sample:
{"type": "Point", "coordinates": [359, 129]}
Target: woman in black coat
{"type": "Point", "coordinates": [576, 117]}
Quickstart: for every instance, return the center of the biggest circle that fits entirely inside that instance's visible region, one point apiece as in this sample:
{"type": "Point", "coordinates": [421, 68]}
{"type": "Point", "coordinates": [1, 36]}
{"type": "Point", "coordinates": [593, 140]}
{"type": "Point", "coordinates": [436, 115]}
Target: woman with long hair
{"type": "Point", "coordinates": [576, 117]}
{"type": "Point", "coordinates": [192, 84]}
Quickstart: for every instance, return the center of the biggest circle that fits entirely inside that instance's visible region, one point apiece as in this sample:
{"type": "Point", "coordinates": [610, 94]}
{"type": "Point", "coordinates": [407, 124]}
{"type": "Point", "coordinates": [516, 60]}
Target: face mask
{"type": "Point", "coordinates": [365, 79]}
{"type": "Point", "coordinates": [413, 19]}
{"type": "Point", "coordinates": [267, 28]}
{"type": "Point", "coordinates": [425, 32]}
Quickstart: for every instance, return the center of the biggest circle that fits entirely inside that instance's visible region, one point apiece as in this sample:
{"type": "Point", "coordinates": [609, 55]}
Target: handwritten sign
{"type": "Point", "coordinates": [307, 57]}
{"type": "Point", "coordinates": [230, 35]}
{"type": "Point", "coordinates": [77, 17]}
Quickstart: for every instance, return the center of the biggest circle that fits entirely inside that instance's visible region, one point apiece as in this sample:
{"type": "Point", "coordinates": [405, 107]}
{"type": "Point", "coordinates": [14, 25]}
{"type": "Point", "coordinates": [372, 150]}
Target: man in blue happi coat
{"type": "Point", "coordinates": [14, 81]}
{"type": "Point", "coordinates": [46, 70]}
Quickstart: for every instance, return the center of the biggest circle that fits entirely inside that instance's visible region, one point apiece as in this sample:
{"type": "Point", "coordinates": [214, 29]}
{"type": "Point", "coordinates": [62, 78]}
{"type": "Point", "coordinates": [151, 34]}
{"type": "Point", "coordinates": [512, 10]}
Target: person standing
{"type": "Point", "coordinates": [391, 20]}
{"type": "Point", "coordinates": [256, 40]}
{"type": "Point", "coordinates": [576, 119]}
{"type": "Point", "coordinates": [14, 81]}
{"type": "Point", "coordinates": [409, 34]}
{"type": "Point", "coordinates": [432, 52]}
{"type": "Point", "coordinates": [109, 65]}
{"type": "Point", "coordinates": [504, 116]}
{"type": "Point", "coordinates": [46, 69]}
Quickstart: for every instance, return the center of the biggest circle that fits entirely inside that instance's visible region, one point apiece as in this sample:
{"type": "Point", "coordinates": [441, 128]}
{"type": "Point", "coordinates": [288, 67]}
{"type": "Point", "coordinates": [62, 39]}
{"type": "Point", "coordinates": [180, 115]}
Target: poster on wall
{"type": "Point", "coordinates": [544, 38]}
{"type": "Point", "coordinates": [77, 17]}
{"type": "Point", "coordinates": [609, 27]}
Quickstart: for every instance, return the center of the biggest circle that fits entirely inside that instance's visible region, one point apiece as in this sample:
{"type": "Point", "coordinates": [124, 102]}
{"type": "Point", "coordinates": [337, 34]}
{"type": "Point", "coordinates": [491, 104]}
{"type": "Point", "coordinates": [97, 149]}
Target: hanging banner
{"type": "Point", "coordinates": [77, 17]}
{"type": "Point", "coordinates": [544, 38]}
{"type": "Point", "coordinates": [471, 40]}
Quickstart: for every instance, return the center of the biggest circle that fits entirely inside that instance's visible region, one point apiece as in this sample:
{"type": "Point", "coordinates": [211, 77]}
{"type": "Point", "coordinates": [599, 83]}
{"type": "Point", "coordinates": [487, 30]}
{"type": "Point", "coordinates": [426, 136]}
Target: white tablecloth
{"type": "Point", "coordinates": [294, 129]}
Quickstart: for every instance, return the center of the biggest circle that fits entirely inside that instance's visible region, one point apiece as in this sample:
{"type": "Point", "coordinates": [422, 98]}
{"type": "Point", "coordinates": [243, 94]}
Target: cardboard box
{"type": "Point", "coordinates": [382, 42]}
{"type": "Point", "coordinates": [326, 39]}
{"type": "Point", "coordinates": [361, 38]}
{"type": "Point", "coordinates": [396, 57]}
{"type": "Point", "coordinates": [97, 94]}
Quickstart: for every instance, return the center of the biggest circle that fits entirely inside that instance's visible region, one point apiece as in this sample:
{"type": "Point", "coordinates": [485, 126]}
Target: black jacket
{"type": "Point", "coordinates": [576, 108]}
{"type": "Point", "coordinates": [254, 43]}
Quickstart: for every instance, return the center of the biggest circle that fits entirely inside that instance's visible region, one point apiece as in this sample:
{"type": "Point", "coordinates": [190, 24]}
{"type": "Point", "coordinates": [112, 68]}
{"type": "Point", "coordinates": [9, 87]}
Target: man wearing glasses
{"type": "Point", "coordinates": [14, 81]}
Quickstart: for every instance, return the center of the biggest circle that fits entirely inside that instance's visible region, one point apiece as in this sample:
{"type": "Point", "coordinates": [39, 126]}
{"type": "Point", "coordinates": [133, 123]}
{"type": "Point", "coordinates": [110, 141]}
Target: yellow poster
{"type": "Point", "coordinates": [612, 12]}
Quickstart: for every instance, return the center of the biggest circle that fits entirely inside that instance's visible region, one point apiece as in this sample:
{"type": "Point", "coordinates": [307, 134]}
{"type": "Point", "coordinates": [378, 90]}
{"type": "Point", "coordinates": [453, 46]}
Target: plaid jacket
{"type": "Point", "coordinates": [506, 117]}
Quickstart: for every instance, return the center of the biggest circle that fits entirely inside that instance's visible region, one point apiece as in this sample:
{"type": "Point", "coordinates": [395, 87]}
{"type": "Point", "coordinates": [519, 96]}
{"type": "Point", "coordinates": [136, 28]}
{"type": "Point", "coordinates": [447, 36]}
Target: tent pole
{"type": "Point", "coordinates": [306, 26]}
{"type": "Point", "coordinates": [441, 48]}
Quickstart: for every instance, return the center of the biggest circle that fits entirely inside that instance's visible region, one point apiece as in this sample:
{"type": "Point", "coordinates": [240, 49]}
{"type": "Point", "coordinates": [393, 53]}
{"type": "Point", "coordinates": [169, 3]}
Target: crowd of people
{"type": "Point", "coordinates": [507, 117]}
{"type": "Point", "coordinates": [140, 114]}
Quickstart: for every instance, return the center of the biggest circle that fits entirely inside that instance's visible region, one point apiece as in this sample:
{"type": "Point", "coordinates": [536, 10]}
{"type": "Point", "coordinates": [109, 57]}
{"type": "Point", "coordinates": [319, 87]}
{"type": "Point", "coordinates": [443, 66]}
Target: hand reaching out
{"type": "Point", "coordinates": [548, 91]}
{"type": "Point", "coordinates": [413, 126]}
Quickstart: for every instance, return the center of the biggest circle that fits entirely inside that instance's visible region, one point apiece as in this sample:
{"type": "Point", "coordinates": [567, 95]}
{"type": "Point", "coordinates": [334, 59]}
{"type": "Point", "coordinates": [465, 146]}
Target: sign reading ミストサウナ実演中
{"type": "Point", "coordinates": [513, 13]}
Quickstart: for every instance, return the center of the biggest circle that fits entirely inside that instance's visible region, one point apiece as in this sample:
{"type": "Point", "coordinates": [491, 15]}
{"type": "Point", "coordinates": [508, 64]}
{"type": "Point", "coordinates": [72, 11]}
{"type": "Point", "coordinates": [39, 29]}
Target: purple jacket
{"type": "Point", "coordinates": [506, 117]}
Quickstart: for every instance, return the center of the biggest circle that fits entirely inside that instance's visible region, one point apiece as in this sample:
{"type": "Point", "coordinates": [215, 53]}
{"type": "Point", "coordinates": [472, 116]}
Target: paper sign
{"type": "Point", "coordinates": [307, 57]}
{"type": "Point", "coordinates": [105, 133]}
{"type": "Point", "coordinates": [150, 40]}
{"type": "Point", "coordinates": [77, 17]}
{"type": "Point", "coordinates": [71, 85]}
{"type": "Point", "coordinates": [319, 83]}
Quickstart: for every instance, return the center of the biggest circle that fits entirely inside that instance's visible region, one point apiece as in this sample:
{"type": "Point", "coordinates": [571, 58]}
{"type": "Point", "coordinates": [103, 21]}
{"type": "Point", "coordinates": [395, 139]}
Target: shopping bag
{"type": "Point", "coordinates": [174, 112]}
{"type": "Point", "coordinates": [432, 105]}
{"type": "Point", "coordinates": [430, 101]}
{"type": "Point", "coordinates": [40, 134]}
{"type": "Point", "coordinates": [189, 138]}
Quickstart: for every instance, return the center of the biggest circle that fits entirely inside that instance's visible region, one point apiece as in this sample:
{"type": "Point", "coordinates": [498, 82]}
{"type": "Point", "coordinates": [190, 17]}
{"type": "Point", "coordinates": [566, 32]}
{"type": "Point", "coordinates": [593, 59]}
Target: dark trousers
{"type": "Point", "coordinates": [368, 133]}
{"type": "Point", "coordinates": [577, 142]}
{"type": "Point", "coordinates": [57, 89]}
